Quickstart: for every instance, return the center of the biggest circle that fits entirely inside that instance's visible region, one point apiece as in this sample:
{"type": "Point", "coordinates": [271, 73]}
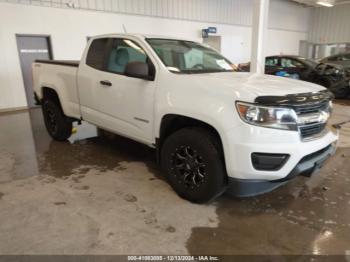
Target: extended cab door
{"type": "Point", "coordinates": [109, 98]}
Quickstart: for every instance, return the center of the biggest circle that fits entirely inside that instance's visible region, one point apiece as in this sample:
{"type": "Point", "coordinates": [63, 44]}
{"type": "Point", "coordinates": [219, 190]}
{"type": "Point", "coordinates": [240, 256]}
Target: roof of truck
{"type": "Point", "coordinates": [142, 36]}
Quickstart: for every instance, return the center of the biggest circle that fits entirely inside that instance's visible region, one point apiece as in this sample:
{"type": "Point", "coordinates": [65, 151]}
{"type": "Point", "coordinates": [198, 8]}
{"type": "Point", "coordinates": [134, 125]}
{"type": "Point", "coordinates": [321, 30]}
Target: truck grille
{"type": "Point", "coordinates": [311, 129]}
{"type": "Point", "coordinates": [313, 108]}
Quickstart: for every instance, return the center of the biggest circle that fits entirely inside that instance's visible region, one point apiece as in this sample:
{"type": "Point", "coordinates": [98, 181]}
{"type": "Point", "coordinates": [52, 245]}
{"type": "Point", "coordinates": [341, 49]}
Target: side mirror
{"type": "Point", "coordinates": [138, 69]}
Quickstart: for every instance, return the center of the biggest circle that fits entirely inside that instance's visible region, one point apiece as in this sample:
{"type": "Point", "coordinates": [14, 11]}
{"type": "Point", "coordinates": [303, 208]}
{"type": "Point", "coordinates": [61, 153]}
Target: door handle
{"type": "Point", "coordinates": [105, 83]}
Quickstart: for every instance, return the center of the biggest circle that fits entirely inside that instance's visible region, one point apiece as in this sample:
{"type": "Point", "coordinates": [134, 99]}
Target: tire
{"type": "Point", "coordinates": [193, 164]}
{"type": "Point", "coordinates": [57, 124]}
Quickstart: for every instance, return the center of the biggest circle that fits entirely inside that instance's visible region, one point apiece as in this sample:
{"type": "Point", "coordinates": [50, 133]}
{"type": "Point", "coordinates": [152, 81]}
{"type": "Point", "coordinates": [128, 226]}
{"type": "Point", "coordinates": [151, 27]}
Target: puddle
{"type": "Point", "coordinates": [33, 152]}
{"type": "Point", "coordinates": [98, 153]}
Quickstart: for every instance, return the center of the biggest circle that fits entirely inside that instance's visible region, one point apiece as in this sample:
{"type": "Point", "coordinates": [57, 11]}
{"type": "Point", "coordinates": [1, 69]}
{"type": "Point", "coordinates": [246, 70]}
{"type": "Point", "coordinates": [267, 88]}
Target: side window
{"type": "Point", "coordinates": [286, 62]}
{"type": "Point", "coordinates": [123, 52]}
{"type": "Point", "coordinates": [271, 61]}
{"type": "Point", "coordinates": [165, 55]}
{"type": "Point", "coordinates": [97, 53]}
{"type": "Point", "coordinates": [291, 63]}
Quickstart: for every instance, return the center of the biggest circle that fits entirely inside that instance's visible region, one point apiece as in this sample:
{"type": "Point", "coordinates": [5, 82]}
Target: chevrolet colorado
{"type": "Point", "coordinates": [213, 129]}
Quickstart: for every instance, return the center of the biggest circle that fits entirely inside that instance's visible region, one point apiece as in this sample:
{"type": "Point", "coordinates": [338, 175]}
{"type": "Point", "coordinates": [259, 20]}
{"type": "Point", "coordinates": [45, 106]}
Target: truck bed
{"type": "Point", "coordinates": [60, 76]}
{"type": "Point", "coordinates": [74, 63]}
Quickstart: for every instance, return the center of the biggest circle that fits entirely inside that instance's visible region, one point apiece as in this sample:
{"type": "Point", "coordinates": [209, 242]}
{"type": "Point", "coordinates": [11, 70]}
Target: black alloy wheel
{"type": "Point", "coordinates": [193, 164]}
{"type": "Point", "coordinates": [188, 167]}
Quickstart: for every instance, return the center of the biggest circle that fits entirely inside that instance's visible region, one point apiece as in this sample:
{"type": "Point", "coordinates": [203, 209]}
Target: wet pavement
{"type": "Point", "coordinates": [105, 195]}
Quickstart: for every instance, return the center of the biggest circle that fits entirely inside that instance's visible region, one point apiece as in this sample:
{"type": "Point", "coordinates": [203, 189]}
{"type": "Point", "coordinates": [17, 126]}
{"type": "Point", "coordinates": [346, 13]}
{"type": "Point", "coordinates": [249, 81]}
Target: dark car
{"type": "Point", "coordinates": [340, 59]}
{"type": "Point", "coordinates": [288, 66]}
{"type": "Point", "coordinates": [334, 77]}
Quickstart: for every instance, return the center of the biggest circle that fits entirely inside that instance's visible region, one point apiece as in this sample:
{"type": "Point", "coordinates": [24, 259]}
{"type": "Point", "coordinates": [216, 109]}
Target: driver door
{"type": "Point", "coordinates": [121, 104]}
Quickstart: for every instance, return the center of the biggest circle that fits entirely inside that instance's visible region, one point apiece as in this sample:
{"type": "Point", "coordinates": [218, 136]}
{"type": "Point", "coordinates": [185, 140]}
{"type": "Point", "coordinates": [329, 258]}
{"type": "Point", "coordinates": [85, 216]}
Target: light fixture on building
{"type": "Point", "coordinates": [327, 3]}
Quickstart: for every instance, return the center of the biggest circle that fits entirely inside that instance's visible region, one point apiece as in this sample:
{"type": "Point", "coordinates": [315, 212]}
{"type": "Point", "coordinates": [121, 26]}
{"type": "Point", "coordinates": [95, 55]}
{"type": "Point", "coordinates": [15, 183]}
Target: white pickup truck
{"type": "Point", "coordinates": [213, 129]}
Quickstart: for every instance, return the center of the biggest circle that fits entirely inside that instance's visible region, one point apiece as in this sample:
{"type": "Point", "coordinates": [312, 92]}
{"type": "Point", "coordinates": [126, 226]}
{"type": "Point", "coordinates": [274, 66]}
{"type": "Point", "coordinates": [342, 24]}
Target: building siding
{"type": "Point", "coordinates": [284, 14]}
{"type": "Point", "coordinates": [330, 25]}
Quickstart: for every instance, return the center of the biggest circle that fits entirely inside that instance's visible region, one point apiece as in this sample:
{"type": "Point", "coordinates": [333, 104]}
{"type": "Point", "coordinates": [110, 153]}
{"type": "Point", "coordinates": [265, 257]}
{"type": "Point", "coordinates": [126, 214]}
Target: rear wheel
{"type": "Point", "coordinates": [194, 165]}
{"type": "Point", "coordinates": [57, 124]}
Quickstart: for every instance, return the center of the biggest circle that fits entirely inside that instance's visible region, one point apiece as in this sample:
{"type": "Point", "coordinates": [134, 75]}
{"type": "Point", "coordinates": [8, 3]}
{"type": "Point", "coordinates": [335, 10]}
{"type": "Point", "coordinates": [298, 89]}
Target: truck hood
{"type": "Point", "coordinates": [248, 86]}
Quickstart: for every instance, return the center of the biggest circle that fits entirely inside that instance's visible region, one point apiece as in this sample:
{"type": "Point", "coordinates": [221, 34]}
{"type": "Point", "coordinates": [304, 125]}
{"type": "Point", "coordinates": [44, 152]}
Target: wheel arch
{"type": "Point", "coordinates": [171, 123]}
{"type": "Point", "coordinates": [51, 93]}
{"type": "Point", "coordinates": [48, 92]}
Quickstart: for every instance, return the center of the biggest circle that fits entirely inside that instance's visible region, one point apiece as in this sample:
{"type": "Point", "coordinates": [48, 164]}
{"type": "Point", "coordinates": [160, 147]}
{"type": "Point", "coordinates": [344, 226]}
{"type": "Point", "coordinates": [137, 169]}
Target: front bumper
{"type": "Point", "coordinates": [244, 140]}
{"type": "Point", "coordinates": [307, 166]}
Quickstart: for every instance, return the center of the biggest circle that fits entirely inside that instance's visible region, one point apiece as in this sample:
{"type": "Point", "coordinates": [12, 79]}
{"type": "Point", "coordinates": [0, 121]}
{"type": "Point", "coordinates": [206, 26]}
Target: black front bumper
{"type": "Point", "coordinates": [307, 166]}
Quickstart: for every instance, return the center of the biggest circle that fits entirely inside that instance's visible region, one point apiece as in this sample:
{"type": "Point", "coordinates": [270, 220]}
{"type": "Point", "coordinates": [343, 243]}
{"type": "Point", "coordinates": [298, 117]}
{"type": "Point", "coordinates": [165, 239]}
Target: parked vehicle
{"type": "Point", "coordinates": [213, 129]}
{"type": "Point", "coordinates": [339, 59]}
{"type": "Point", "coordinates": [334, 77]}
{"type": "Point", "coordinates": [288, 66]}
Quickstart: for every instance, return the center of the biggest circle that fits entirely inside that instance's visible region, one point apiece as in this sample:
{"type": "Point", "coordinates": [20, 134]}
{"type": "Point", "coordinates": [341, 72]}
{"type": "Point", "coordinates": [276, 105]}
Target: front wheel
{"type": "Point", "coordinates": [57, 124]}
{"type": "Point", "coordinates": [194, 165]}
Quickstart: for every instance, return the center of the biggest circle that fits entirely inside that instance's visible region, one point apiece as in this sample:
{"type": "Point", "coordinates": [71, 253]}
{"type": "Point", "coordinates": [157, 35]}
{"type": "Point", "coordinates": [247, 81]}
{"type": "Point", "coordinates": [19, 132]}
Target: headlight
{"type": "Point", "coordinates": [268, 116]}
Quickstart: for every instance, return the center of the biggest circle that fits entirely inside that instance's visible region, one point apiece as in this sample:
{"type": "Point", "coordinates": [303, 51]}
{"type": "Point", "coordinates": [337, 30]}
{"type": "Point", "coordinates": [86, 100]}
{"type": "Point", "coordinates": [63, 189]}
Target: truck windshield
{"type": "Point", "coordinates": [189, 57]}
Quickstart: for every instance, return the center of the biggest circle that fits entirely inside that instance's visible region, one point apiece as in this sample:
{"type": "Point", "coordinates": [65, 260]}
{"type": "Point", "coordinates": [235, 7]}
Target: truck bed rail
{"type": "Point", "coordinates": [73, 63]}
